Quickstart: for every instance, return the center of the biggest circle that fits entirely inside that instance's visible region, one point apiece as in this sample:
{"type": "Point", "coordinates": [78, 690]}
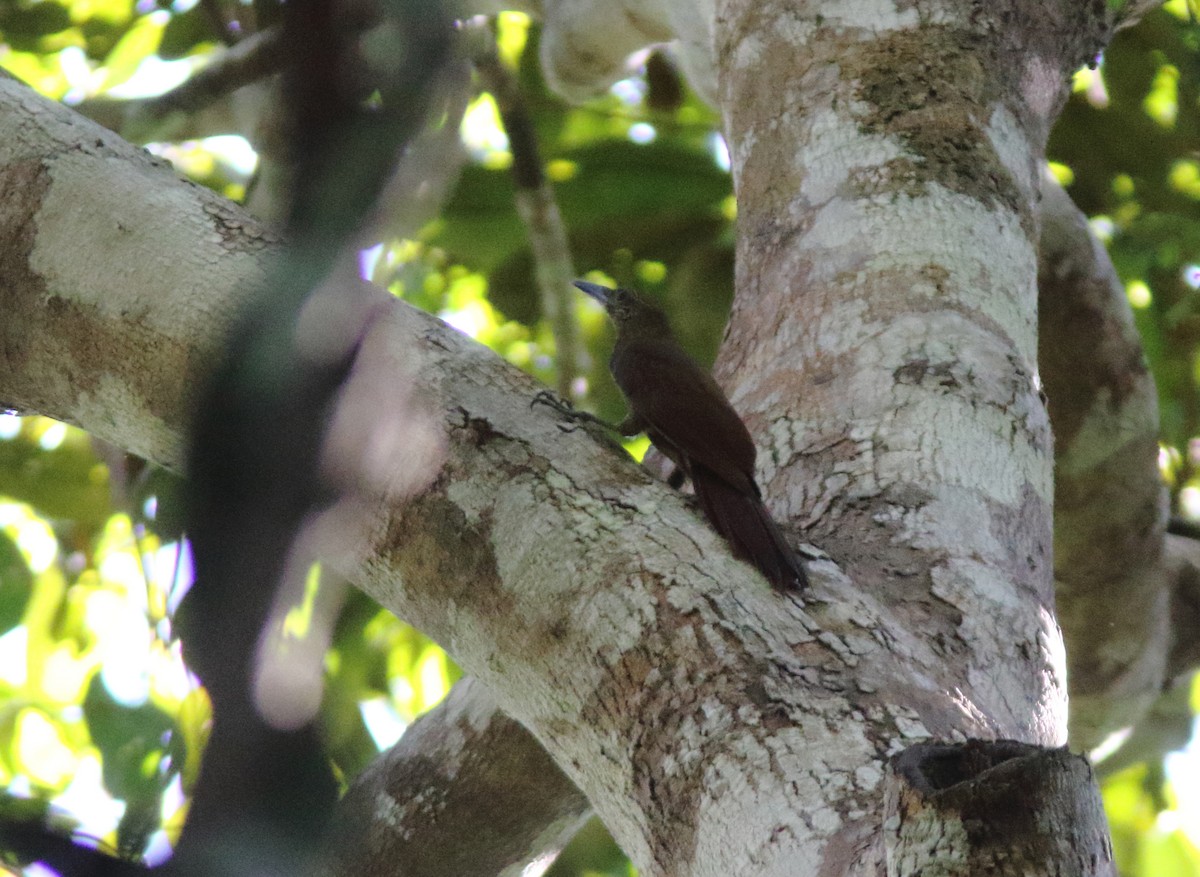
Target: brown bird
{"type": "Point", "coordinates": [685, 414]}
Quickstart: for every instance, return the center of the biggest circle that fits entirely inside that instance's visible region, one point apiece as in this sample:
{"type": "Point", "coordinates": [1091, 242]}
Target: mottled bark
{"type": "Point", "coordinates": [882, 348]}
{"type": "Point", "coordinates": [884, 352]}
{"type": "Point", "coordinates": [994, 808]}
{"type": "Point", "coordinates": [1110, 503]}
{"type": "Point", "coordinates": [466, 792]}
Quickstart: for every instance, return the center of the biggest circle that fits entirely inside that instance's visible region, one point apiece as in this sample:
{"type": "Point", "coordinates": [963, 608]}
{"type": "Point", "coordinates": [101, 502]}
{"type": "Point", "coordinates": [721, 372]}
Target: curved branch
{"type": "Point", "coordinates": [590, 598]}
{"type": "Point", "coordinates": [717, 727]}
{"type": "Point", "coordinates": [1167, 724]}
{"type": "Point", "coordinates": [172, 115]}
{"type": "Point", "coordinates": [537, 207]}
{"type": "Point", "coordinates": [1000, 806]}
{"type": "Point", "coordinates": [1110, 504]}
{"type": "Point", "coordinates": [465, 791]}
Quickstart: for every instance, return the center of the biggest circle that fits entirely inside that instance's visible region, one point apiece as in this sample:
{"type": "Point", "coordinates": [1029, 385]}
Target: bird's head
{"type": "Point", "coordinates": [624, 306]}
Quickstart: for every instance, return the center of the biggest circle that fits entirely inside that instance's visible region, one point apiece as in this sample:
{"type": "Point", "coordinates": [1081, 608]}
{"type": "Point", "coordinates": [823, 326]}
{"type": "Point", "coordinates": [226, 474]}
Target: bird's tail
{"type": "Point", "coordinates": [747, 526]}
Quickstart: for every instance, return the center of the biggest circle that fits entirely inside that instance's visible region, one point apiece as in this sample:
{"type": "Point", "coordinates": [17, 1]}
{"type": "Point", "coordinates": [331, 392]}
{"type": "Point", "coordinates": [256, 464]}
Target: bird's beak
{"type": "Point", "coordinates": [595, 290]}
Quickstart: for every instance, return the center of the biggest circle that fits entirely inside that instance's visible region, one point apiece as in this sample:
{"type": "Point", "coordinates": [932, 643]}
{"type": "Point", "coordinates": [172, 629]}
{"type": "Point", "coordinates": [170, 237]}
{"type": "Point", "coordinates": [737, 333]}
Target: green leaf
{"type": "Point", "coordinates": [138, 43]}
{"type": "Point", "coordinates": [185, 32]}
{"type": "Point", "coordinates": [131, 740]}
{"type": "Point", "coordinates": [23, 26]}
{"type": "Point", "coordinates": [66, 482]}
{"type": "Point", "coordinates": [16, 583]}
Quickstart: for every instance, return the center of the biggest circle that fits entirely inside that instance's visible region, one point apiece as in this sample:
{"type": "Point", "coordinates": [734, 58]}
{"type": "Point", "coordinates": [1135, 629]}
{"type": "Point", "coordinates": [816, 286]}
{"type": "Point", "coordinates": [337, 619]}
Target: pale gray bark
{"type": "Point", "coordinates": [465, 792]}
{"type": "Point", "coordinates": [882, 348]}
{"type": "Point", "coordinates": [888, 355]}
{"type": "Point", "coordinates": [1110, 503]}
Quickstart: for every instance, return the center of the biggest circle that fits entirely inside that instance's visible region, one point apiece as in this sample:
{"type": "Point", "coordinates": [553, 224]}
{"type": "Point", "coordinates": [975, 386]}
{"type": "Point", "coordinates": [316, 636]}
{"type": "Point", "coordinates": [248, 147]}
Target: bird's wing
{"type": "Point", "coordinates": [679, 400]}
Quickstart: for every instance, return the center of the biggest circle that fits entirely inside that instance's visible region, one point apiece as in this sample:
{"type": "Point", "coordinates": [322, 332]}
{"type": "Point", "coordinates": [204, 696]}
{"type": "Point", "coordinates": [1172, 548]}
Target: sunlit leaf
{"type": "Point", "coordinates": [138, 43]}
{"type": "Point", "coordinates": [194, 723]}
{"type": "Point", "coordinates": [512, 31]}
{"type": "Point", "coordinates": [16, 583]}
{"type": "Point", "coordinates": [23, 25]}
{"type": "Point", "coordinates": [185, 33]}
{"type": "Point", "coordinates": [63, 480]}
{"type": "Point", "coordinates": [41, 749]}
{"type": "Point", "coordinates": [1168, 854]}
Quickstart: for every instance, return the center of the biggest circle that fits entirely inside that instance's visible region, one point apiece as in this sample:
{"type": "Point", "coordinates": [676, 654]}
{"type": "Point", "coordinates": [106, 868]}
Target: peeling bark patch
{"type": "Point", "coordinates": [920, 371]}
{"type": "Point", "coordinates": [156, 368]}
{"type": "Point", "coordinates": [656, 702]}
{"type": "Point", "coordinates": [939, 109]}
{"type": "Point", "coordinates": [431, 541]}
{"type": "Point", "coordinates": [862, 536]}
{"type": "Point", "coordinates": [898, 175]}
{"type": "Point", "coordinates": [678, 698]}
{"type": "Point", "coordinates": [1011, 393]}
{"type": "Point", "coordinates": [477, 431]}
{"type": "Point", "coordinates": [856, 848]}
{"type": "Point", "coordinates": [1026, 535]}
{"type": "Point", "coordinates": [937, 276]}
{"type": "Point", "coordinates": [238, 232]}
{"type": "Point", "coordinates": [150, 365]}
{"type": "Point", "coordinates": [24, 185]}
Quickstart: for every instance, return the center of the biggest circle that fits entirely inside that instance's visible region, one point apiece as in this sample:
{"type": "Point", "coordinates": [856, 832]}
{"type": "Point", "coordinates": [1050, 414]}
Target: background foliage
{"type": "Point", "coordinates": [98, 715]}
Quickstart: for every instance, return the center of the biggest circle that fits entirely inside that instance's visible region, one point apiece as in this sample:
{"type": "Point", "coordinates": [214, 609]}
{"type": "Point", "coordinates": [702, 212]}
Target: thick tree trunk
{"type": "Point", "coordinates": [884, 334]}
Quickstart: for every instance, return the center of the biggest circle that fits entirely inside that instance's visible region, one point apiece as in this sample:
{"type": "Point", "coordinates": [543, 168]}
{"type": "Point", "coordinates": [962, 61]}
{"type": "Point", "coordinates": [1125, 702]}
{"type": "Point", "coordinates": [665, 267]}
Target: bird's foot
{"type": "Point", "coordinates": [561, 407]}
{"type": "Point", "coordinates": [565, 409]}
{"type": "Point", "coordinates": [576, 417]}
{"type": "Point", "coordinates": [550, 400]}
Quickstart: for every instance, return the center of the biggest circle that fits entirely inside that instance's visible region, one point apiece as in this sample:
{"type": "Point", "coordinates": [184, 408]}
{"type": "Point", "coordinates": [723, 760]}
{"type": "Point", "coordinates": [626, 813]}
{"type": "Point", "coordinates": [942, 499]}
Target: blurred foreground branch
{"type": "Point", "coordinates": [256, 478]}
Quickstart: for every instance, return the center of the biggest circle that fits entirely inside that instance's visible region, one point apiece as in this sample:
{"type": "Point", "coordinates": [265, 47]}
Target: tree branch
{"type": "Point", "coordinates": [173, 115]}
{"type": "Point", "coordinates": [537, 207]}
{"type": "Point", "coordinates": [1110, 504]}
{"type": "Point", "coordinates": [466, 791]}
{"type": "Point", "coordinates": [716, 727]}
{"type": "Point", "coordinates": [1002, 806]}
{"type": "Point", "coordinates": [587, 595]}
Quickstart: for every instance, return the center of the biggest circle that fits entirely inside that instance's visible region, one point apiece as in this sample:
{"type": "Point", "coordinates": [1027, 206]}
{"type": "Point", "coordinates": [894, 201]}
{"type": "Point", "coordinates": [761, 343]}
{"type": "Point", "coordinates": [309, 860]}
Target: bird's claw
{"type": "Point", "coordinates": [576, 419]}
{"type": "Point", "coordinates": [547, 398]}
{"type": "Point", "coordinates": [561, 407]}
